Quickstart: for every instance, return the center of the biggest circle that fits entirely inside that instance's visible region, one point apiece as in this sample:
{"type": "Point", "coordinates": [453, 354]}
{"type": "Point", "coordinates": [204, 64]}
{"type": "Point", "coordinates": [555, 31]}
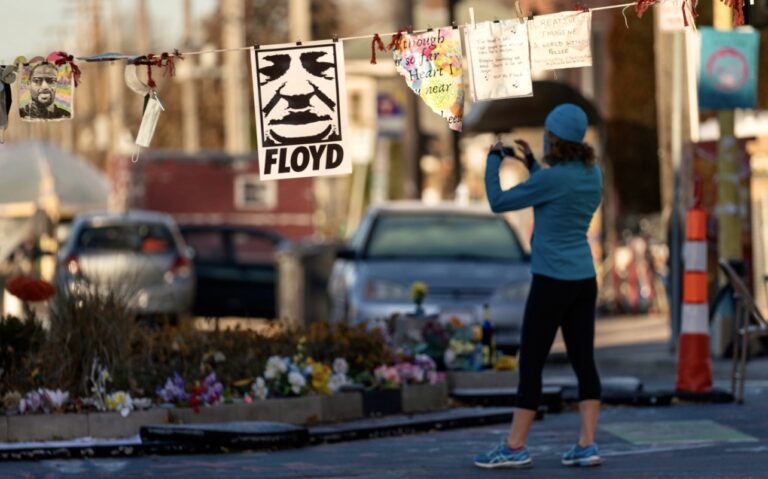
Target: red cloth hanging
{"type": "Point", "coordinates": [643, 5]}
{"type": "Point", "coordinates": [376, 43]}
{"type": "Point", "coordinates": [60, 58]}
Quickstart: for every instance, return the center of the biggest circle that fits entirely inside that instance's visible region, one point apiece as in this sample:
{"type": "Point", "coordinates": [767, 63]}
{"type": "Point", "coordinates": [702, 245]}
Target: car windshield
{"type": "Point", "coordinates": [443, 236]}
{"type": "Point", "coordinates": [136, 237]}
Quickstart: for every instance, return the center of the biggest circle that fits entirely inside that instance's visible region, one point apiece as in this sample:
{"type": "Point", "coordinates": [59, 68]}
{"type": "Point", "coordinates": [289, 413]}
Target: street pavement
{"type": "Point", "coordinates": [679, 441]}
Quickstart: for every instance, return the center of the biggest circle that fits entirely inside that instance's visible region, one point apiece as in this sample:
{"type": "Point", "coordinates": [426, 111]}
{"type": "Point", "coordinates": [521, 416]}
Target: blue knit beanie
{"type": "Point", "coordinates": [568, 122]}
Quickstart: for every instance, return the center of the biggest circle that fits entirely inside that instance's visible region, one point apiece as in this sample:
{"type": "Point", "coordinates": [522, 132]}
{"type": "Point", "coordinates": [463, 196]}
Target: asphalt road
{"type": "Point", "coordinates": [680, 441]}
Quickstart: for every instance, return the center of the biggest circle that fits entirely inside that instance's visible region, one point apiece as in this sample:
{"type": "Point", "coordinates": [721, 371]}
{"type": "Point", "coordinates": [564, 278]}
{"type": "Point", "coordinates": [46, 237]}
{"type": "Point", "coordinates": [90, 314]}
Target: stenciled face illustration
{"type": "Point", "coordinates": [42, 84]}
{"type": "Point", "coordinates": [299, 96]}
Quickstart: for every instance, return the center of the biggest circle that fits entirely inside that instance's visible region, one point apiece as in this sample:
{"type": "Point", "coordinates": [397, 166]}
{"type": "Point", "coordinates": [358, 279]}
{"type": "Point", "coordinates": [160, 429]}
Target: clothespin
{"type": "Point", "coordinates": [429, 28]}
{"type": "Point", "coordinates": [454, 25]}
{"type": "Point", "coordinates": [409, 29]}
{"type": "Point", "coordinates": [298, 42]}
{"type": "Point", "coordinates": [335, 38]}
{"type": "Point", "coordinates": [519, 10]}
{"type": "Point", "coordinates": [472, 17]}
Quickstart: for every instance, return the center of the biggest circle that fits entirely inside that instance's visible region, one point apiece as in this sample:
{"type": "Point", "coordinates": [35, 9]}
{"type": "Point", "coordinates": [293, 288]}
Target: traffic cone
{"type": "Point", "coordinates": [694, 364]}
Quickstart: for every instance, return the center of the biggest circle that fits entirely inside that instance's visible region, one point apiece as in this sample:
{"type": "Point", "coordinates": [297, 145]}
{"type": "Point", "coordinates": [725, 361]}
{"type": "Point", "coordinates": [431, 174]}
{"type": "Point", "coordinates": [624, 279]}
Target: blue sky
{"type": "Point", "coordinates": [37, 28]}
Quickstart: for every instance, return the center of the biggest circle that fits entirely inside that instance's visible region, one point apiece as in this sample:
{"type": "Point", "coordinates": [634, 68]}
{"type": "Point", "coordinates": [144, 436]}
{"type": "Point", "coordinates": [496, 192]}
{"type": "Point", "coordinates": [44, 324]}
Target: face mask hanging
{"type": "Point", "coordinates": [152, 112]}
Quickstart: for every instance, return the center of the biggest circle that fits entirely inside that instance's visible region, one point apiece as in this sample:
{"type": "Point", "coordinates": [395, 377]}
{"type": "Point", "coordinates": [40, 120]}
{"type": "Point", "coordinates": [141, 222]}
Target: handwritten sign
{"type": "Point", "coordinates": [497, 53]}
{"type": "Point", "coordinates": [561, 40]}
{"type": "Point", "coordinates": [431, 63]}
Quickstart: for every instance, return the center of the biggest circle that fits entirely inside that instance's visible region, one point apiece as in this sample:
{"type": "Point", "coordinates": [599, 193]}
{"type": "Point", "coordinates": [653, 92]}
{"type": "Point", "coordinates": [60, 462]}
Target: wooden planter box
{"type": "Point", "coordinates": [50, 427]}
{"type": "Point", "coordinates": [299, 410]}
{"type": "Point", "coordinates": [382, 403]}
{"type": "Point", "coordinates": [424, 397]}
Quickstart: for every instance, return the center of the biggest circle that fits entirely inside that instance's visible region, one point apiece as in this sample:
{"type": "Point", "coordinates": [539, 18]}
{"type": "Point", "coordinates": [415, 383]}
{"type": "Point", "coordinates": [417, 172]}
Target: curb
{"type": "Point", "coordinates": [259, 435]}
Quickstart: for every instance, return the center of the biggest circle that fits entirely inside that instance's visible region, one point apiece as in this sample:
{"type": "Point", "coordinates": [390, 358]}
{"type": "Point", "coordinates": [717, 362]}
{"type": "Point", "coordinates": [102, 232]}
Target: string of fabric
{"type": "Point", "coordinates": [641, 6]}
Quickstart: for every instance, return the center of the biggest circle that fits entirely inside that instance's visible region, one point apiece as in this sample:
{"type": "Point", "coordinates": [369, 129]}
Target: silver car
{"type": "Point", "coordinates": [138, 255]}
{"type": "Point", "coordinates": [467, 256]}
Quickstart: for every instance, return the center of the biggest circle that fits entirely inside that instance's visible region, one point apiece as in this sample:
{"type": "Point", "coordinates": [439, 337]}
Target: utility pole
{"type": "Point", "coordinates": [235, 108]}
{"type": "Point", "coordinates": [455, 135]}
{"type": "Point", "coordinates": [728, 204]}
{"type": "Point", "coordinates": [411, 150]}
{"type": "Point", "coordinates": [116, 82]}
{"type": "Point", "coordinates": [189, 106]}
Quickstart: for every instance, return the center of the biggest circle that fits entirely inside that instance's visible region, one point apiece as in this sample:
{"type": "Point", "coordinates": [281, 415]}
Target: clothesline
{"type": "Point", "coordinates": [367, 36]}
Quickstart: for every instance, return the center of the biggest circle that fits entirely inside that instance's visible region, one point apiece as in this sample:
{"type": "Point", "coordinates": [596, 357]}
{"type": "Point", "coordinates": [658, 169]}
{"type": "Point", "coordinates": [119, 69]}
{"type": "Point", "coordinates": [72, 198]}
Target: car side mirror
{"type": "Point", "coordinates": [346, 253]}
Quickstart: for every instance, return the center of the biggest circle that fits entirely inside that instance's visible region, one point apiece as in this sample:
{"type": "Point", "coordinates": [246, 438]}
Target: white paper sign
{"type": "Point", "coordinates": [561, 40]}
{"type": "Point", "coordinates": [301, 110]}
{"type": "Point", "coordinates": [670, 16]}
{"type": "Point", "coordinates": [497, 53]}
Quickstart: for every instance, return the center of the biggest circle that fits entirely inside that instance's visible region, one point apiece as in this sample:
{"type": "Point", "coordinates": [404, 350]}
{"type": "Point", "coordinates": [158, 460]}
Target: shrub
{"type": "Point", "coordinates": [87, 326]}
{"type": "Point", "coordinates": [364, 349]}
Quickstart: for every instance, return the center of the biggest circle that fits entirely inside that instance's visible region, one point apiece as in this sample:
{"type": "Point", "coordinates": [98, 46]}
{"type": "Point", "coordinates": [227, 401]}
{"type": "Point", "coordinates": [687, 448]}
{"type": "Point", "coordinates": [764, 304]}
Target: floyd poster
{"type": "Point", "coordinates": [497, 53]}
{"type": "Point", "coordinates": [561, 40]}
{"type": "Point", "coordinates": [46, 92]}
{"type": "Point", "coordinates": [300, 102]}
{"type": "Point", "coordinates": [431, 64]}
{"type": "Point", "coordinates": [728, 68]}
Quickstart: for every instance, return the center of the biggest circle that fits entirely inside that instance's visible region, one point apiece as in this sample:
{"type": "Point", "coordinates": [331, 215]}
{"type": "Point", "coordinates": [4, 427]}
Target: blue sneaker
{"type": "Point", "coordinates": [582, 456]}
{"type": "Point", "coordinates": [502, 456]}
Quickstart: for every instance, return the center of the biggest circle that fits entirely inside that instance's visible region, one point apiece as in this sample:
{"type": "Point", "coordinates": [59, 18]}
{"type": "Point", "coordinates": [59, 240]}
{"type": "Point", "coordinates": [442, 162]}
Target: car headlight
{"type": "Point", "coordinates": [383, 290]}
{"type": "Point", "coordinates": [515, 291]}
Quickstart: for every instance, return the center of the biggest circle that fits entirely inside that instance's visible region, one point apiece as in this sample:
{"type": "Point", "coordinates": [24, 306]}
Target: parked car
{"type": "Point", "coordinates": [138, 255]}
{"type": "Point", "coordinates": [467, 256]}
{"type": "Point", "coordinates": [236, 270]}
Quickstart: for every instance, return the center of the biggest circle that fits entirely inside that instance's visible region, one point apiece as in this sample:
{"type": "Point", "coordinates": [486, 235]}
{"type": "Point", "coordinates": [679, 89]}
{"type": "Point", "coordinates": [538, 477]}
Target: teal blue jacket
{"type": "Point", "coordinates": [564, 197]}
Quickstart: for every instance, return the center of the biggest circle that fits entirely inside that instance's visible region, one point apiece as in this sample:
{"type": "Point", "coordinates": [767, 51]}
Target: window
{"type": "Point", "coordinates": [139, 237]}
{"type": "Point", "coordinates": [252, 193]}
{"type": "Point", "coordinates": [443, 237]}
{"type": "Point", "coordinates": [208, 246]}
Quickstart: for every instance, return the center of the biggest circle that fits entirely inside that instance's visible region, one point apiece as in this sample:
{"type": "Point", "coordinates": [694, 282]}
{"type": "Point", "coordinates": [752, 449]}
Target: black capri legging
{"type": "Point", "coordinates": [554, 303]}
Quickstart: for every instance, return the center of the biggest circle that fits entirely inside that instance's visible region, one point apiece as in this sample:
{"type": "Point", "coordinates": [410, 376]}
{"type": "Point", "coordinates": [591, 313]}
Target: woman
{"type": "Point", "coordinates": [563, 291]}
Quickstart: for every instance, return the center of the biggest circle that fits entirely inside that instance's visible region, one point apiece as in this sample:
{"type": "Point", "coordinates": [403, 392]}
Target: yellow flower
{"type": "Point", "coordinates": [321, 375]}
{"type": "Point", "coordinates": [114, 401]}
{"type": "Point", "coordinates": [418, 291]}
{"type": "Point", "coordinates": [506, 363]}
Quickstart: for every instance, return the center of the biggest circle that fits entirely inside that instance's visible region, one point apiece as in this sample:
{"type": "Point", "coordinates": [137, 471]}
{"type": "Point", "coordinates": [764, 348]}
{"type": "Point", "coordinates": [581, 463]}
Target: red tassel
{"type": "Point", "coordinates": [642, 6]}
{"type": "Point", "coordinates": [165, 60]}
{"type": "Point", "coordinates": [738, 10]}
{"type": "Point", "coordinates": [581, 7]}
{"type": "Point", "coordinates": [63, 58]}
{"type": "Point", "coordinates": [376, 43]}
{"type": "Point", "coordinates": [396, 38]}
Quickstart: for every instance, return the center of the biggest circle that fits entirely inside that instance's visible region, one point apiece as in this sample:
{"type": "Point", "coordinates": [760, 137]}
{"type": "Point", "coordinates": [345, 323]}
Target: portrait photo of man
{"type": "Point", "coordinates": [298, 95]}
{"type": "Point", "coordinates": [43, 86]}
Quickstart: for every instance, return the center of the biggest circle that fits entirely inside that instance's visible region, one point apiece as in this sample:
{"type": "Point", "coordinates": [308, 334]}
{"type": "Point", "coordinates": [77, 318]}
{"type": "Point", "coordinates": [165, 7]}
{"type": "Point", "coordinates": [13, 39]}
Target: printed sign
{"type": "Point", "coordinates": [46, 92]}
{"type": "Point", "coordinates": [497, 53]}
{"type": "Point", "coordinates": [728, 71]}
{"type": "Point", "coordinates": [431, 64]}
{"type": "Point", "coordinates": [561, 40]}
{"type": "Point", "coordinates": [301, 111]}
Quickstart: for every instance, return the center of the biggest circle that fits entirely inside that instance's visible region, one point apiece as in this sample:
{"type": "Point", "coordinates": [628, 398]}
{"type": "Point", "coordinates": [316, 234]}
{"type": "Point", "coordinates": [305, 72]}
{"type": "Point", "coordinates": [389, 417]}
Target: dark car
{"type": "Point", "coordinates": [236, 270]}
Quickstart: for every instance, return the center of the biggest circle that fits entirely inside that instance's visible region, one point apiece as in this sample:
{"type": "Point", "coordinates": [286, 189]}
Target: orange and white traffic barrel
{"type": "Point", "coordinates": [694, 364]}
